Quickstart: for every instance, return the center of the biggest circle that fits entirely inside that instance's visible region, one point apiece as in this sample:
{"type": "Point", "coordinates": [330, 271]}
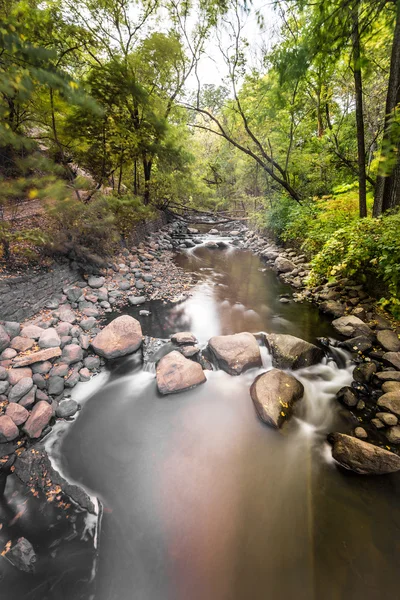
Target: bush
{"type": "Point", "coordinates": [127, 211]}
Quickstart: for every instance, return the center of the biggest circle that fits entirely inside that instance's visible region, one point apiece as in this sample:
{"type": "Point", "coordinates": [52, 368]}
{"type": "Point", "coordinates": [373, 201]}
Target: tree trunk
{"type": "Point", "coordinates": [362, 180]}
{"type": "Point", "coordinates": [135, 179]}
{"type": "Point", "coordinates": [147, 164]}
{"type": "Point", "coordinates": [120, 172]}
{"type": "Point", "coordinates": [387, 191]}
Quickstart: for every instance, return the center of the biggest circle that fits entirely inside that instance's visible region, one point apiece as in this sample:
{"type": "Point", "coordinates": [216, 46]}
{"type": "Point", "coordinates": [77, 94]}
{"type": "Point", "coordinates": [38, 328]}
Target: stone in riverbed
{"type": "Point", "coordinates": [49, 338]}
{"type": "Point", "coordinates": [4, 385]}
{"type": "Point", "coordinates": [55, 385]}
{"type": "Point", "coordinates": [72, 353]}
{"type": "Point", "coordinates": [136, 300]}
{"type": "Point", "coordinates": [391, 402]}
{"type": "Point", "coordinates": [175, 373]}
{"type": "Point", "coordinates": [21, 344]}
{"type": "Point", "coordinates": [40, 356]}
{"type": "Point", "coordinates": [96, 282]}
{"type": "Point", "coordinates": [235, 353]}
{"type": "Point", "coordinates": [387, 418]}
{"type": "Point", "coordinates": [333, 307]}
{"type": "Point", "coordinates": [22, 556]}
{"type": "Point", "coordinates": [8, 429]}
{"type": "Point", "coordinates": [392, 359]}
{"type": "Point", "coordinates": [19, 390]}
{"type": "Point", "coordinates": [351, 326]}
{"type": "Point", "coordinates": [360, 433]}
{"type": "Point", "coordinates": [362, 457]}
{"type": "Point", "coordinates": [393, 434]}
{"type": "Point", "coordinates": [364, 372]}
{"type": "Point", "coordinates": [39, 418]}
{"type": "Point", "coordinates": [388, 376]}
{"type": "Point", "coordinates": [66, 408]}
{"type": "Point", "coordinates": [274, 394]}
{"type": "Point", "coordinates": [12, 328]}
{"type": "Point", "coordinates": [121, 337]}
{"type": "Point", "coordinates": [391, 386]}
{"type": "Point", "coordinates": [183, 337]}
{"type": "Point", "coordinates": [360, 343]}
{"type": "Point", "coordinates": [284, 265]}
{"type": "Point", "coordinates": [389, 340]}
{"type": "Point", "coordinates": [15, 375]}
{"type": "Point", "coordinates": [4, 339]}
{"type": "Point", "coordinates": [29, 398]}
{"type": "Point", "coordinates": [289, 352]}
{"type": "Point", "coordinates": [32, 331]}
{"type": "Point", "coordinates": [17, 413]}
{"type": "Point", "coordinates": [347, 396]}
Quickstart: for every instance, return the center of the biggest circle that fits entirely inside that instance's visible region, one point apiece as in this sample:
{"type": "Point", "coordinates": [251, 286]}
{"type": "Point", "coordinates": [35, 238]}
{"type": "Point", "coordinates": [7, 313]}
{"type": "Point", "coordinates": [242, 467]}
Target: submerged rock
{"type": "Point", "coordinates": [175, 373]}
{"type": "Point", "coordinates": [121, 337]}
{"type": "Point", "coordinates": [274, 394]}
{"type": "Point", "coordinates": [235, 353]}
{"type": "Point", "coordinates": [22, 556]}
{"type": "Point", "coordinates": [362, 457]}
{"type": "Point", "coordinates": [290, 352]}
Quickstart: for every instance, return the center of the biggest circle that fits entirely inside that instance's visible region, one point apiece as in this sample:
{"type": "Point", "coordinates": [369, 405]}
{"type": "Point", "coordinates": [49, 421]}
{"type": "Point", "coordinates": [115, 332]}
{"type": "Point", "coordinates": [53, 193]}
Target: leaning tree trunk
{"type": "Point", "coordinates": [387, 191]}
{"type": "Point", "coordinates": [362, 181]}
{"type": "Point", "coordinates": [147, 164]}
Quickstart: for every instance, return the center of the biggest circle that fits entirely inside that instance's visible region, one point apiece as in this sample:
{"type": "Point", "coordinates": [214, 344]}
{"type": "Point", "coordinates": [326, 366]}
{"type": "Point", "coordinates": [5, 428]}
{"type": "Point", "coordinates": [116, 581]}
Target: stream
{"type": "Point", "coordinates": [201, 500]}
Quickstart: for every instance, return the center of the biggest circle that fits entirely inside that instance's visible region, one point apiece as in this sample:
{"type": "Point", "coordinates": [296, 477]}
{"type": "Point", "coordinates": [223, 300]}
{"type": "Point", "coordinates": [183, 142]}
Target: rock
{"type": "Point", "coordinates": [8, 429]}
{"type": "Point", "coordinates": [391, 402]}
{"type": "Point", "coordinates": [235, 353]}
{"type": "Point", "coordinates": [392, 359]}
{"type": "Point", "coordinates": [387, 418]}
{"type": "Point", "coordinates": [347, 396]}
{"type": "Point", "coordinates": [19, 390]}
{"type": "Point", "coordinates": [84, 341]}
{"type": "Point", "coordinates": [189, 351]}
{"type": "Point", "coordinates": [38, 419]}
{"type": "Point", "coordinates": [66, 408]}
{"type": "Point", "coordinates": [67, 315]}
{"type": "Point", "coordinates": [377, 423]}
{"type": "Point", "coordinates": [63, 328]}
{"type": "Point", "coordinates": [362, 457]}
{"type": "Point", "coordinates": [4, 339]}
{"type": "Point", "coordinates": [96, 282]}
{"type": "Point", "coordinates": [360, 343]}
{"type": "Point", "coordinates": [121, 337]}
{"type": "Point", "coordinates": [17, 413]}
{"type": "Point", "coordinates": [360, 433]}
{"type": "Point", "coordinates": [12, 328]}
{"type": "Point", "coordinates": [388, 376]}
{"type": "Point", "coordinates": [389, 340]}
{"type": "Point", "coordinates": [42, 368]}
{"type": "Point", "coordinates": [364, 372]}
{"type": "Point", "coordinates": [40, 356]}
{"type": "Point", "coordinates": [39, 381]}
{"type": "Point", "coordinates": [22, 344]}
{"type": "Point", "coordinates": [283, 265]}
{"type": "Point", "coordinates": [391, 386]}
{"type": "Point", "coordinates": [55, 385]}
{"type": "Point", "coordinates": [72, 379]}
{"type": "Point", "coordinates": [289, 352]}
{"type": "Point", "coordinates": [31, 331]}
{"type": "Point", "coordinates": [59, 370]}
{"type": "Point", "coordinates": [22, 556]}
{"type": "Point", "coordinates": [49, 338]}
{"type": "Point", "coordinates": [72, 353]}
{"type": "Point", "coordinates": [84, 374]}
{"type": "Point", "coordinates": [393, 434]}
{"type": "Point", "coordinates": [15, 375]}
{"type": "Point", "coordinates": [88, 323]}
{"type": "Point", "coordinates": [136, 300]}
{"type": "Point", "coordinates": [175, 373]}
{"type": "Point", "coordinates": [351, 326]}
{"type": "Point", "coordinates": [274, 394]}
{"type": "Point", "coordinates": [360, 405]}
{"type": "Point", "coordinates": [183, 337]}
{"type": "Point", "coordinates": [8, 354]}
{"type": "Point", "coordinates": [92, 363]}
{"type": "Point", "coordinates": [29, 398]}
{"type": "Point", "coordinates": [333, 307]}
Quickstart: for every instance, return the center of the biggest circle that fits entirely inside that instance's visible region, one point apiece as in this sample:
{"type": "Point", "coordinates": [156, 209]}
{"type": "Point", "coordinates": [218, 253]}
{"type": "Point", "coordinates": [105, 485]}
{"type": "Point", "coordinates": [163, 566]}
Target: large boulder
{"type": "Point", "coordinates": [274, 394]}
{"type": "Point", "coordinates": [362, 457]}
{"type": "Point", "coordinates": [122, 336]}
{"type": "Point", "coordinates": [235, 353]}
{"type": "Point", "coordinates": [289, 352]}
{"type": "Point", "coordinates": [175, 373]}
{"type": "Point", "coordinates": [351, 326]}
{"type": "Point", "coordinates": [39, 418]}
{"type": "Point", "coordinates": [284, 265]}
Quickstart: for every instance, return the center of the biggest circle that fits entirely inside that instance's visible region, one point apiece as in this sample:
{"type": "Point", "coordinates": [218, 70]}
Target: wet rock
{"type": "Point", "coordinates": [360, 433]}
{"type": "Point", "coordinates": [351, 326]}
{"type": "Point", "coordinates": [347, 396]}
{"type": "Point", "coordinates": [392, 359]}
{"type": "Point", "coordinates": [274, 394]}
{"type": "Point", "coordinates": [359, 343]}
{"type": "Point", "coordinates": [22, 344]}
{"type": "Point", "coordinates": [66, 408]}
{"type": "Point", "coordinates": [393, 434]}
{"type": "Point", "coordinates": [378, 423]}
{"type": "Point", "coordinates": [84, 374]}
{"type": "Point", "coordinates": [289, 352]}
{"type": "Point", "coordinates": [362, 457]}
{"type": "Point", "coordinates": [283, 265]}
{"type": "Point", "coordinates": [38, 419]}
{"type": "Point", "coordinates": [121, 337]}
{"type": "Point", "coordinates": [387, 418]}
{"type": "Point", "coordinates": [96, 282]}
{"type": "Point", "coordinates": [235, 353]}
{"type": "Point", "coordinates": [175, 373]}
{"type": "Point", "coordinates": [189, 351]}
{"type": "Point", "coordinates": [8, 429]}
{"type": "Point", "coordinates": [17, 413]}
{"type": "Point", "coordinates": [19, 390]}
{"type": "Point", "coordinates": [40, 356]}
{"type": "Point", "coordinates": [364, 372]}
{"type": "Point", "coordinates": [183, 337]}
{"type": "Point", "coordinates": [92, 363]}
{"type": "Point", "coordinates": [391, 402]}
{"type": "Point", "coordinates": [49, 339]}
{"type": "Point", "coordinates": [72, 379]}
{"type": "Point", "coordinates": [389, 340]}
{"type": "Point", "coordinates": [22, 556]}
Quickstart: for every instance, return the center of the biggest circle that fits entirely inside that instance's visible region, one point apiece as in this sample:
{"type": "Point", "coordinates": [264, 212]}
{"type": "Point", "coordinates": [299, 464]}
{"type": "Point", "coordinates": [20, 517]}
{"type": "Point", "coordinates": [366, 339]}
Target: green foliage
{"type": "Point", "coordinates": [127, 210]}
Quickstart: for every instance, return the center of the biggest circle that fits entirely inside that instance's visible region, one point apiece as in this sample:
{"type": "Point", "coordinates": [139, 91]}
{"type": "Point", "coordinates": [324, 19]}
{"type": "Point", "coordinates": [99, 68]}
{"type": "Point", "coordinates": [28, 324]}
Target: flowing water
{"type": "Point", "coordinates": [201, 500]}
